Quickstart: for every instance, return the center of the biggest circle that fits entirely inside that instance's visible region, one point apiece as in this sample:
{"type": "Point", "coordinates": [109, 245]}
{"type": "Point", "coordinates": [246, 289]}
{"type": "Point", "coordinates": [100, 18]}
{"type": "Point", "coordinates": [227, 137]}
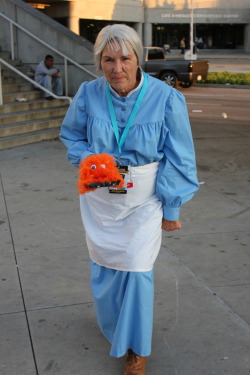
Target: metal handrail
{"type": "Point", "coordinates": [66, 58]}
{"type": "Point", "coordinates": [28, 79]}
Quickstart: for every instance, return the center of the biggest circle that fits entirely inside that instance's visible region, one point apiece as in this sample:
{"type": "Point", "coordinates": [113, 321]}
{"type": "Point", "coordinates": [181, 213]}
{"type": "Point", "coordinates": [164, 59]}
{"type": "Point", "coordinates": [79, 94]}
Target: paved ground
{"type": "Point", "coordinates": [216, 105]}
{"type": "Point", "coordinates": [233, 61]}
{"type": "Point", "coordinates": [202, 312]}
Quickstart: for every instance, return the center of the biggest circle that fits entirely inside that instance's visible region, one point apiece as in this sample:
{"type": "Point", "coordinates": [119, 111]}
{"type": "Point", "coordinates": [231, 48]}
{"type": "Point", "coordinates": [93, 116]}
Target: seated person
{"type": "Point", "coordinates": [48, 76]}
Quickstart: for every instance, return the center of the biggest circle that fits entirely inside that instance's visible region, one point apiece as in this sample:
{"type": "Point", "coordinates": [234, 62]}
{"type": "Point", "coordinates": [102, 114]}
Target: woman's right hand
{"type": "Point", "coordinates": [169, 226]}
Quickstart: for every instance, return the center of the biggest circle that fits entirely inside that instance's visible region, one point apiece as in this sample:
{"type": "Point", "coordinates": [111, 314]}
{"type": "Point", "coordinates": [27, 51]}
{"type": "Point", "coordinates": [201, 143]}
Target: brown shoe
{"type": "Point", "coordinates": [135, 364]}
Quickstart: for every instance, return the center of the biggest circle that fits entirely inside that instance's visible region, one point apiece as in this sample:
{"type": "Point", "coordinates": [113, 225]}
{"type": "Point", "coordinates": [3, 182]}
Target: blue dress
{"type": "Point", "coordinates": [160, 133]}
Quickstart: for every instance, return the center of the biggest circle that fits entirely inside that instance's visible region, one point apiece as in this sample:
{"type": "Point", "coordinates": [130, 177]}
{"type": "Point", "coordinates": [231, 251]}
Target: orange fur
{"type": "Point", "coordinates": [105, 172]}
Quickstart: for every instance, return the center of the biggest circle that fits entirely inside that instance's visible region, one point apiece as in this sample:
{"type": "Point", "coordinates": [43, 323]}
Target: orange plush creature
{"type": "Point", "coordinates": [98, 171]}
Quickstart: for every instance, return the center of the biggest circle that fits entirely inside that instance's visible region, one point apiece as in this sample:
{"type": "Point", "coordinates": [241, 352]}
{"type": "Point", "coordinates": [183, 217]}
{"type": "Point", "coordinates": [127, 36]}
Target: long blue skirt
{"type": "Point", "coordinates": [124, 308]}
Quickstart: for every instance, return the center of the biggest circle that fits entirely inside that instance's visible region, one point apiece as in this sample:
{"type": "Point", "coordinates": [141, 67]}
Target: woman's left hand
{"type": "Point", "coordinates": [170, 225]}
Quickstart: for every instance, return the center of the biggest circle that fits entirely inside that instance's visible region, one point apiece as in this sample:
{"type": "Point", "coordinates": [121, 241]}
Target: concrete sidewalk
{"type": "Point", "coordinates": [47, 319]}
{"type": "Point", "coordinates": [216, 54]}
{"type": "Point", "coordinates": [234, 61]}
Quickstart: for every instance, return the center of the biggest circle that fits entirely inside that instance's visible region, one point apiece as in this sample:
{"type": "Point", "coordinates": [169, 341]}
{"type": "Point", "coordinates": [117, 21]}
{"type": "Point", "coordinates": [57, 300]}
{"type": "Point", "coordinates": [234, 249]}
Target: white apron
{"type": "Point", "coordinates": [123, 231]}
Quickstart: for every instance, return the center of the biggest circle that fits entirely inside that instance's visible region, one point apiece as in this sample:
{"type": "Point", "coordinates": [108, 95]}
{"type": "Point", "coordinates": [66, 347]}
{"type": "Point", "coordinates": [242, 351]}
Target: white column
{"type": "Point", "coordinates": [73, 17]}
{"type": "Point", "coordinates": [73, 24]}
{"type": "Point", "coordinates": [138, 29]}
{"type": "Point", "coordinates": [147, 34]}
{"type": "Point", "coordinates": [247, 38]}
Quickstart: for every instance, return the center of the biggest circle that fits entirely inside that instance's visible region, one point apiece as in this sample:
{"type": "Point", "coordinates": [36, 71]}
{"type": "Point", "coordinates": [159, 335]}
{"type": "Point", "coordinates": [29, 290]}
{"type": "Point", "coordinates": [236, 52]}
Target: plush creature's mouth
{"type": "Point", "coordinates": [97, 171]}
{"type": "Point", "coordinates": [94, 185]}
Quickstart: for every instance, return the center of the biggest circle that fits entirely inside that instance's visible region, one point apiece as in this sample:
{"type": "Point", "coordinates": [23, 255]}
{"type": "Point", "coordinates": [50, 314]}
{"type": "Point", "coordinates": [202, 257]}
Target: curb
{"type": "Point", "coordinates": [222, 86]}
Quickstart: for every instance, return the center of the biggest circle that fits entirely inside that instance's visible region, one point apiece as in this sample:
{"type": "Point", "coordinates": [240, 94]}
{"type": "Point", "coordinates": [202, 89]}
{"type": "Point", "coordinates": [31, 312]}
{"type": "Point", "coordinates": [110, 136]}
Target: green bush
{"type": "Point", "coordinates": [227, 77]}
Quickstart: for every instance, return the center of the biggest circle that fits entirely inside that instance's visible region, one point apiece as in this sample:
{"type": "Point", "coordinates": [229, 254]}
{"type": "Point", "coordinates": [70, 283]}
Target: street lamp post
{"type": "Point", "coordinates": [189, 54]}
{"type": "Point", "coordinates": [192, 29]}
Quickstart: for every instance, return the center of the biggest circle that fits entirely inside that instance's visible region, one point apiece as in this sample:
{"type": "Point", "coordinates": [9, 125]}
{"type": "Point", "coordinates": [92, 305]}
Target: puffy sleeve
{"type": "Point", "coordinates": [177, 179]}
{"type": "Point", "coordinates": [74, 129]}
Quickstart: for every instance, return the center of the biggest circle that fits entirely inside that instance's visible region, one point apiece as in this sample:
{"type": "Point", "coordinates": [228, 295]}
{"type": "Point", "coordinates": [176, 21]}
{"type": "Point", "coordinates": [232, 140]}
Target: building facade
{"type": "Point", "coordinates": [220, 24]}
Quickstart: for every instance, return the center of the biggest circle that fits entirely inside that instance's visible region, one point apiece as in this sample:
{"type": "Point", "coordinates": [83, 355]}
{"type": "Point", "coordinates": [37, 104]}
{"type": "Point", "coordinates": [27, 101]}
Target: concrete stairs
{"type": "Point", "coordinates": [25, 116]}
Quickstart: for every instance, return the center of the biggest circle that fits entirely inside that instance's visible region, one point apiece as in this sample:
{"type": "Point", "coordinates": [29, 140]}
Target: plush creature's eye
{"type": "Point", "coordinates": [93, 166]}
{"type": "Point", "coordinates": [103, 166]}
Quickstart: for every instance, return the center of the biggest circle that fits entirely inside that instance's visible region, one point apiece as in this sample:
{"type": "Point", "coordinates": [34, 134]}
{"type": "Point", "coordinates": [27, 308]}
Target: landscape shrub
{"type": "Point", "coordinates": [227, 77]}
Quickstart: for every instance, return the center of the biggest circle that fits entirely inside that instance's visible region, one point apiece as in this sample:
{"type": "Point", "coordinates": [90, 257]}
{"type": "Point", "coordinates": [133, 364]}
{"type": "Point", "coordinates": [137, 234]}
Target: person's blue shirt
{"type": "Point", "coordinates": [160, 132]}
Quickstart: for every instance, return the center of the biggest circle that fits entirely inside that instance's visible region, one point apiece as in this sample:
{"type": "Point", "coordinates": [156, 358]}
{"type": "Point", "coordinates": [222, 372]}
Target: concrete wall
{"type": "Point", "coordinates": [205, 12]}
{"type": "Point", "coordinates": [198, 4]}
{"type": "Point", "coordinates": [172, 13]}
{"type": "Point", "coordinates": [31, 52]}
{"type": "Point", "coordinates": [116, 10]}
{"type": "Point", "coordinates": [147, 12]}
{"type": "Point", "coordinates": [119, 10]}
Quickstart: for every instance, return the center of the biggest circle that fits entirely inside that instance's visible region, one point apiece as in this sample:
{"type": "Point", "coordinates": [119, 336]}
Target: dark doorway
{"type": "Point", "coordinates": [62, 20]}
{"type": "Point", "coordinates": [90, 28]}
{"type": "Point", "coordinates": [222, 36]}
{"type": "Point", "coordinates": [170, 33]}
{"type": "Point", "coordinates": [217, 36]}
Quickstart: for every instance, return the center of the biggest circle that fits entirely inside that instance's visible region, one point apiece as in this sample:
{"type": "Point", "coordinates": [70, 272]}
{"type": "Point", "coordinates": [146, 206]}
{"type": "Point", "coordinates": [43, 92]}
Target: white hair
{"type": "Point", "coordinates": [117, 37]}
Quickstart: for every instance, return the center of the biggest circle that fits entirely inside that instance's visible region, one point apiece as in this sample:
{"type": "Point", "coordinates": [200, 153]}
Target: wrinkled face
{"type": "Point", "coordinates": [49, 62]}
{"type": "Point", "coordinates": [120, 70]}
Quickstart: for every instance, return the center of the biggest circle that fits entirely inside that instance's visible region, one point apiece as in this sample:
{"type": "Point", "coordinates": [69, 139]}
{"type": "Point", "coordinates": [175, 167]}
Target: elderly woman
{"type": "Point", "coordinates": [143, 123]}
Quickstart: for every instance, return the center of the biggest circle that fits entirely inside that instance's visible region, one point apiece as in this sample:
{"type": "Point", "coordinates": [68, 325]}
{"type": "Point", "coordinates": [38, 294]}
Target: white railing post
{"type": "Point", "coordinates": [12, 41]}
{"type": "Point", "coordinates": [66, 77]}
{"type": "Point", "coordinates": [1, 89]}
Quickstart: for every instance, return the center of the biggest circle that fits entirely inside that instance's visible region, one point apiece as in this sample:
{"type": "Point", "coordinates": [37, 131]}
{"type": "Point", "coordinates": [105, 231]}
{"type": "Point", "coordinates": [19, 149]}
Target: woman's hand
{"type": "Point", "coordinates": [170, 225]}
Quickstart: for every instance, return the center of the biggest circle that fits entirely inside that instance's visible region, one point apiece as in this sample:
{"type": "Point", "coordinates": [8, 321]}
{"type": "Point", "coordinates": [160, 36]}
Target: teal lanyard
{"type": "Point", "coordinates": [121, 140]}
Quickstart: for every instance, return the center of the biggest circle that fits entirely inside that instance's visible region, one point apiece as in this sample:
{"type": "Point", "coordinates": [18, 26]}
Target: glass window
{"type": "Point", "coordinates": [155, 54]}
